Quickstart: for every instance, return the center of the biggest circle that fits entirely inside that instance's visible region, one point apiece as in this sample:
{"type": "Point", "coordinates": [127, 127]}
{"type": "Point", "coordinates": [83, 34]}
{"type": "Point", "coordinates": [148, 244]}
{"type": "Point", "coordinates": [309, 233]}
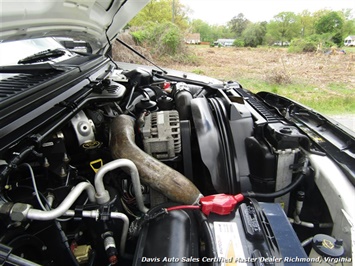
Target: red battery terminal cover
{"type": "Point", "coordinates": [221, 204]}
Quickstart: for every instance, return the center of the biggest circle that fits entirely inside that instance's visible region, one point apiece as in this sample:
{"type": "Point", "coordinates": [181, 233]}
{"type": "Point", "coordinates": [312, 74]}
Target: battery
{"type": "Point", "coordinates": [253, 234]}
{"type": "Point", "coordinates": [256, 234]}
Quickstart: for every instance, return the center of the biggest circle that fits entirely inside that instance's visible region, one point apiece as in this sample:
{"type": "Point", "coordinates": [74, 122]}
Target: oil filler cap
{"type": "Point", "coordinates": [328, 246]}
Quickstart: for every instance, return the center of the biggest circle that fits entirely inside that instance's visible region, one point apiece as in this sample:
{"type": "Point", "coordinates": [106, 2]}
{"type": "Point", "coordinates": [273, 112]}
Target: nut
{"type": "Point", "coordinates": [19, 212]}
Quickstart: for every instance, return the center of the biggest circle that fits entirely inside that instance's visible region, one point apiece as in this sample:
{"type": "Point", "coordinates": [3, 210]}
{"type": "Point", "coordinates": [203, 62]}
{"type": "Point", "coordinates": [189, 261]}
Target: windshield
{"type": "Point", "coordinates": [12, 52]}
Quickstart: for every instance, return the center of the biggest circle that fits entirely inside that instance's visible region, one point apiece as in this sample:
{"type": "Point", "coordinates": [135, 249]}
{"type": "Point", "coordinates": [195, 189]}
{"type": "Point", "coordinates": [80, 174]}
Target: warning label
{"type": "Point", "coordinates": [229, 246]}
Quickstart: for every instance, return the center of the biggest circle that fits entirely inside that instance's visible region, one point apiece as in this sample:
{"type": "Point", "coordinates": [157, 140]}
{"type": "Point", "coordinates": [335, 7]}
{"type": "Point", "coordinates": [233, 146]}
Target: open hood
{"type": "Point", "coordinates": [94, 21]}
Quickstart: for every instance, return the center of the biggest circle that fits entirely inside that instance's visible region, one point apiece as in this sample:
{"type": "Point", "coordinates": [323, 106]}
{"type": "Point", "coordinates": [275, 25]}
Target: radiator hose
{"type": "Point", "coordinates": [285, 190]}
{"type": "Point", "coordinates": [152, 172]}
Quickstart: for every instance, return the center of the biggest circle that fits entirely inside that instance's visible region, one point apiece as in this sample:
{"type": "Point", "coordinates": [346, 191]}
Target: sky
{"type": "Point", "coordinates": [222, 11]}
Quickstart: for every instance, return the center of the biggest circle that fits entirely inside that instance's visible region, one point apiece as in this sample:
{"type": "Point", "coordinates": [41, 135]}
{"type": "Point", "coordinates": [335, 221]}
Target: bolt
{"type": "Point", "coordinates": [62, 172]}
{"type": "Point", "coordinates": [286, 130]}
{"type": "Point", "coordinates": [46, 162]}
{"type": "Point", "coordinates": [65, 157]}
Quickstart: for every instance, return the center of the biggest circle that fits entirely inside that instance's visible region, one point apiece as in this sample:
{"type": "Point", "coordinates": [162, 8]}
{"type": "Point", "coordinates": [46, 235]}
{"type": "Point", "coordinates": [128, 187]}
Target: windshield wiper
{"type": "Point", "coordinates": [42, 56]}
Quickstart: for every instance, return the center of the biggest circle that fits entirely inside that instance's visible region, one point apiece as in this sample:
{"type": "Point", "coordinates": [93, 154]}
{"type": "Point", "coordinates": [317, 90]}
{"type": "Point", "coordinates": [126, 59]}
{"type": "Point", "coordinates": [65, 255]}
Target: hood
{"type": "Point", "coordinates": [94, 21]}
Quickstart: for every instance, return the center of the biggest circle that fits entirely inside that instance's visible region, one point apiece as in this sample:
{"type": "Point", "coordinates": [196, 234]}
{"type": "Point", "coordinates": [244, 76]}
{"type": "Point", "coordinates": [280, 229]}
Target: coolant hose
{"type": "Point", "coordinates": [284, 190]}
{"type": "Point", "coordinates": [275, 194]}
{"type": "Point", "coordinates": [152, 172]}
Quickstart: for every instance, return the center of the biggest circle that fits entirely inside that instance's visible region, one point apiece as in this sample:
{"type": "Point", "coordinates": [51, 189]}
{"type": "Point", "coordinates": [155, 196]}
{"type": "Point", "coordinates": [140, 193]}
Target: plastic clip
{"type": "Point", "coordinates": [78, 213]}
{"type": "Point", "coordinates": [105, 211]}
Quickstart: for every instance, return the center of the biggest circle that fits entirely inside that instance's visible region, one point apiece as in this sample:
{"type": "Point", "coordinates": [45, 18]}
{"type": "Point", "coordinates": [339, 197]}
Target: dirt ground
{"type": "Point", "coordinates": [229, 63]}
{"type": "Point", "coordinates": [322, 72]}
{"type": "Point", "coordinates": [318, 70]}
{"type": "Point", "coordinates": [268, 64]}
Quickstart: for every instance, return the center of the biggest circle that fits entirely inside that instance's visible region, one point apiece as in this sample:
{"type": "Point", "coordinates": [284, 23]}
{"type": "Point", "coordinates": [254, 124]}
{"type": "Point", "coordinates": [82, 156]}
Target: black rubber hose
{"type": "Point", "coordinates": [283, 191]}
{"type": "Point", "coordinates": [15, 161]}
{"type": "Point", "coordinates": [275, 194]}
{"type": "Point", "coordinates": [183, 104]}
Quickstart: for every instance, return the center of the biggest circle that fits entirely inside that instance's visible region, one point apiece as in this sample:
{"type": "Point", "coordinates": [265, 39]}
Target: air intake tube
{"type": "Point", "coordinates": [152, 172]}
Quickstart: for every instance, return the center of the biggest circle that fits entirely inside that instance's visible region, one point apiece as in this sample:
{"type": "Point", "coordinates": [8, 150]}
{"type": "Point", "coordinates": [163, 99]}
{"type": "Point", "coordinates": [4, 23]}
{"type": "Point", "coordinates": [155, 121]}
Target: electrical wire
{"type": "Point", "coordinates": [68, 174]}
{"type": "Point", "coordinates": [183, 207]}
{"type": "Point", "coordinates": [127, 209]}
{"type": "Point", "coordinates": [35, 186]}
{"type": "Point", "coordinates": [307, 241]}
{"type": "Point", "coordinates": [2, 198]}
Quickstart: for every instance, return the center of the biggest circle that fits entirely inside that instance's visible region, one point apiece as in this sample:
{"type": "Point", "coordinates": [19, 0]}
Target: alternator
{"type": "Point", "coordinates": [161, 134]}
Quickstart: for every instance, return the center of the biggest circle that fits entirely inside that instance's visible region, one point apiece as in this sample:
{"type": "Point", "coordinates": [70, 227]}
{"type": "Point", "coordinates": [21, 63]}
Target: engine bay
{"type": "Point", "coordinates": [155, 169]}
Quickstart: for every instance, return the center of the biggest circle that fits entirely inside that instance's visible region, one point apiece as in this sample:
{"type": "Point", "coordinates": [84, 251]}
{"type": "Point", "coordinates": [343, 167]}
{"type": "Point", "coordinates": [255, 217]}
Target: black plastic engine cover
{"type": "Point", "coordinates": [283, 136]}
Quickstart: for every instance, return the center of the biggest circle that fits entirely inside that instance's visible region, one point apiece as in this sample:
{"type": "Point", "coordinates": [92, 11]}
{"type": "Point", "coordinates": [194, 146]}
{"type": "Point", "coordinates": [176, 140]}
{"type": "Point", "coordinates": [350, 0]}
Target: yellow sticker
{"type": "Point", "coordinates": [228, 244]}
{"type": "Point", "coordinates": [230, 255]}
{"type": "Point", "coordinates": [327, 244]}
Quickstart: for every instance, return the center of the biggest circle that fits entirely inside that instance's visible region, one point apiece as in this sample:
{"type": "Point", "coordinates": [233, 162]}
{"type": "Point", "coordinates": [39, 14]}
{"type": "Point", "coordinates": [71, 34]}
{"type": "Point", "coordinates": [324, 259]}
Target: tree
{"type": "Point", "coordinates": [306, 23]}
{"type": "Point", "coordinates": [349, 22]}
{"type": "Point", "coordinates": [221, 32]}
{"type": "Point", "coordinates": [238, 24]}
{"type": "Point", "coordinates": [202, 27]}
{"type": "Point", "coordinates": [162, 38]}
{"type": "Point", "coordinates": [254, 34]}
{"type": "Point", "coordinates": [210, 33]}
{"type": "Point", "coordinates": [161, 11]}
{"type": "Point", "coordinates": [331, 23]}
{"type": "Point", "coordinates": [180, 14]}
{"type": "Point", "coordinates": [284, 27]}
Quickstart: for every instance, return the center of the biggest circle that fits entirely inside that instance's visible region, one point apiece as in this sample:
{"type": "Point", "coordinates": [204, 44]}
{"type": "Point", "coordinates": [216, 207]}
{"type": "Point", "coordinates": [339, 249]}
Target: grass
{"type": "Point", "coordinates": [349, 50]}
{"type": "Point", "coordinates": [323, 83]}
{"type": "Point", "coordinates": [332, 99]}
{"type": "Point", "coordinates": [198, 71]}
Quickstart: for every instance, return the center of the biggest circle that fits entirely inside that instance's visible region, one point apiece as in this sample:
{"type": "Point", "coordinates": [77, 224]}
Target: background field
{"type": "Point", "coordinates": [324, 82]}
